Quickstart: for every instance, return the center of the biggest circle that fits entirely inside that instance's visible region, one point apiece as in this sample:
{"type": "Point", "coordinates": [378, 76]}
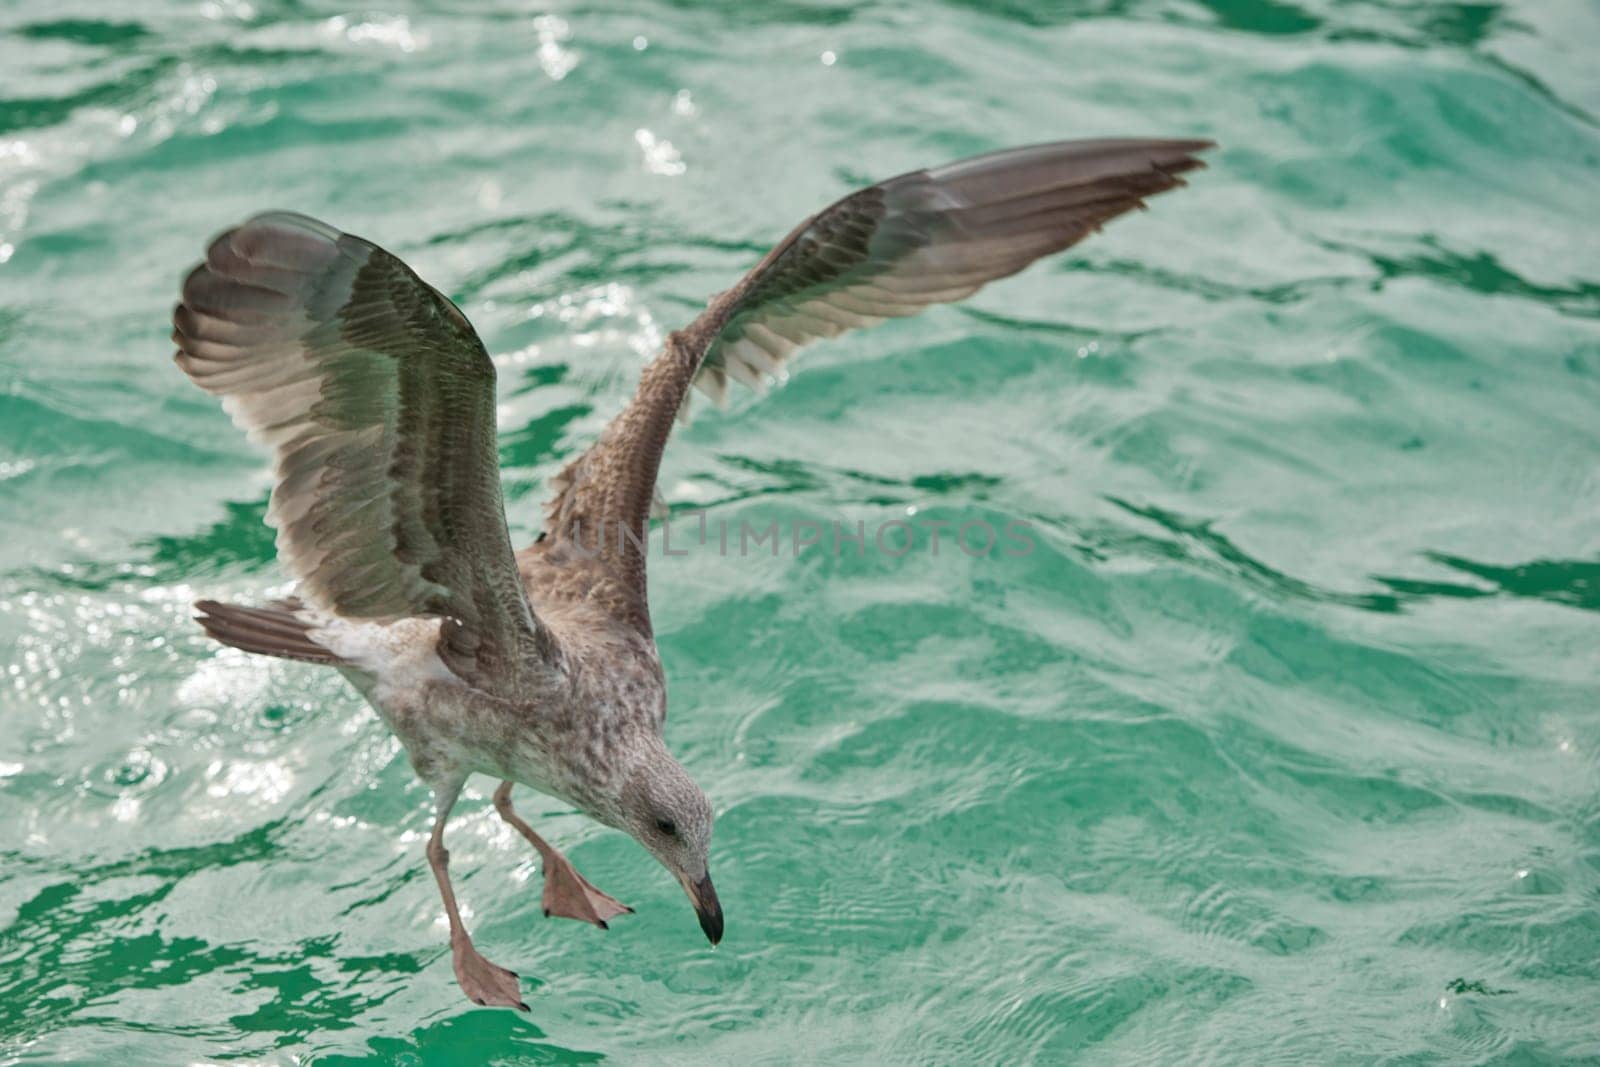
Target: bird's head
{"type": "Point", "coordinates": [668, 814]}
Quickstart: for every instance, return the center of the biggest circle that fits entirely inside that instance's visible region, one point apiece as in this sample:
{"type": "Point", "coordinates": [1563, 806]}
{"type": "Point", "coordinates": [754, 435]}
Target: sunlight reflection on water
{"type": "Point", "coordinates": [1283, 745]}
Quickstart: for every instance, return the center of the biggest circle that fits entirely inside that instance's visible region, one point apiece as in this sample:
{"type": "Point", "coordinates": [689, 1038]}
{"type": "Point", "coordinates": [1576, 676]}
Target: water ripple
{"type": "Point", "coordinates": [1280, 745]}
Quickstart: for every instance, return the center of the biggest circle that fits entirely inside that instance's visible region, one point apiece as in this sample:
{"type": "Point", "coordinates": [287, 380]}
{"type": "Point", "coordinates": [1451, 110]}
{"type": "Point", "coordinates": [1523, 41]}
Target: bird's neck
{"type": "Point", "coordinates": [600, 729]}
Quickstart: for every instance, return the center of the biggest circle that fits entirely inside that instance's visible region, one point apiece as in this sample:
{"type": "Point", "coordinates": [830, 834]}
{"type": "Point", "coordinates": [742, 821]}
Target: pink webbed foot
{"type": "Point", "coordinates": [483, 982]}
{"type": "Point", "coordinates": [568, 894]}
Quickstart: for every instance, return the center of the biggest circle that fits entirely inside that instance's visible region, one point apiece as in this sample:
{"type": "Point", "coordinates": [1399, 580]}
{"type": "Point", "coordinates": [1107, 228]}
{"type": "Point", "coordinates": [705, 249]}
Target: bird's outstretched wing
{"type": "Point", "coordinates": [378, 402]}
{"type": "Point", "coordinates": [927, 237]}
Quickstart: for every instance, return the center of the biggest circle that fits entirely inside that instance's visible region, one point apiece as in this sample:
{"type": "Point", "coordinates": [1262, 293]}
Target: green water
{"type": "Point", "coordinates": [1282, 746]}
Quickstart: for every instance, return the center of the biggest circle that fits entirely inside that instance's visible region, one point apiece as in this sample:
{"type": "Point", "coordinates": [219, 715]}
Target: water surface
{"type": "Point", "coordinates": [1283, 745]}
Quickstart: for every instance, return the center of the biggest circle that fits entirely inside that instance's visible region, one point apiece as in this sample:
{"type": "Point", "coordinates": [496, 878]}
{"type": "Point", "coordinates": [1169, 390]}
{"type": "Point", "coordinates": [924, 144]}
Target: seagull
{"type": "Point", "coordinates": [376, 400]}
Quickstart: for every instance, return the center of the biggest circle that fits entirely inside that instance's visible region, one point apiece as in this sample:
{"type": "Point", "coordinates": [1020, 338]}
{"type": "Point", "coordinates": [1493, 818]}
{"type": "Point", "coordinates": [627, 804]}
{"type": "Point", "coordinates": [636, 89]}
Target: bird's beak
{"type": "Point", "coordinates": [703, 895]}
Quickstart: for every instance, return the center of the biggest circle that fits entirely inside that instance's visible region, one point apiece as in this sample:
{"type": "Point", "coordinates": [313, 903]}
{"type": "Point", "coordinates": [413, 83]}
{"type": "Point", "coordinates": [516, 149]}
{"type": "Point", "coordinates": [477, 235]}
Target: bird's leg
{"type": "Point", "coordinates": [482, 981]}
{"type": "Point", "coordinates": [566, 892]}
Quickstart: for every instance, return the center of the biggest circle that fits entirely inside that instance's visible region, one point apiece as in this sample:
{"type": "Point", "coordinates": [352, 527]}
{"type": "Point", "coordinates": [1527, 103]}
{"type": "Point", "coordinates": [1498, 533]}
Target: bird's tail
{"type": "Point", "coordinates": [274, 630]}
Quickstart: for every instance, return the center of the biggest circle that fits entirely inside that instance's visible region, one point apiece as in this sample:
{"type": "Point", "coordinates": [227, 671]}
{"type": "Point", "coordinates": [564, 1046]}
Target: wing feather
{"type": "Point", "coordinates": [886, 251]}
{"type": "Point", "coordinates": [377, 401]}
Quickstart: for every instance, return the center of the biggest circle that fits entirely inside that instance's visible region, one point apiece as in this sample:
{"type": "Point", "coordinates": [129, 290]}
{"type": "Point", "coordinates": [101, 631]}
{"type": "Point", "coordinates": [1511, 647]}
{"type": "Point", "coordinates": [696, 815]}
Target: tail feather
{"type": "Point", "coordinates": [274, 630]}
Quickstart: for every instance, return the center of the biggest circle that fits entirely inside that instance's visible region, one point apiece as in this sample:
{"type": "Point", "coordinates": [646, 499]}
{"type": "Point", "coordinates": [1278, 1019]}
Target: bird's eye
{"type": "Point", "coordinates": [667, 826]}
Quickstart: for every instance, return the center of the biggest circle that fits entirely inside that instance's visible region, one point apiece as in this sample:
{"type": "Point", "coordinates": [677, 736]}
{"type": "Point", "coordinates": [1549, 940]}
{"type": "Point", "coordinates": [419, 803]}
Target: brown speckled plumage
{"type": "Point", "coordinates": [377, 400]}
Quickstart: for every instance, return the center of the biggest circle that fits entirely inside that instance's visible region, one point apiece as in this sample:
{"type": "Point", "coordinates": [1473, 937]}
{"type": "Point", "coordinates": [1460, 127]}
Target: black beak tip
{"type": "Point", "coordinates": [711, 923]}
{"type": "Point", "coordinates": [709, 909]}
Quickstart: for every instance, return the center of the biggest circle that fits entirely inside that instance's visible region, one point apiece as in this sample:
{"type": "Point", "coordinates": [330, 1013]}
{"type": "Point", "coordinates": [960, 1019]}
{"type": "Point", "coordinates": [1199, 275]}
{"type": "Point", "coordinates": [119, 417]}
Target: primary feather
{"type": "Point", "coordinates": [378, 402]}
{"type": "Point", "coordinates": [891, 249]}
